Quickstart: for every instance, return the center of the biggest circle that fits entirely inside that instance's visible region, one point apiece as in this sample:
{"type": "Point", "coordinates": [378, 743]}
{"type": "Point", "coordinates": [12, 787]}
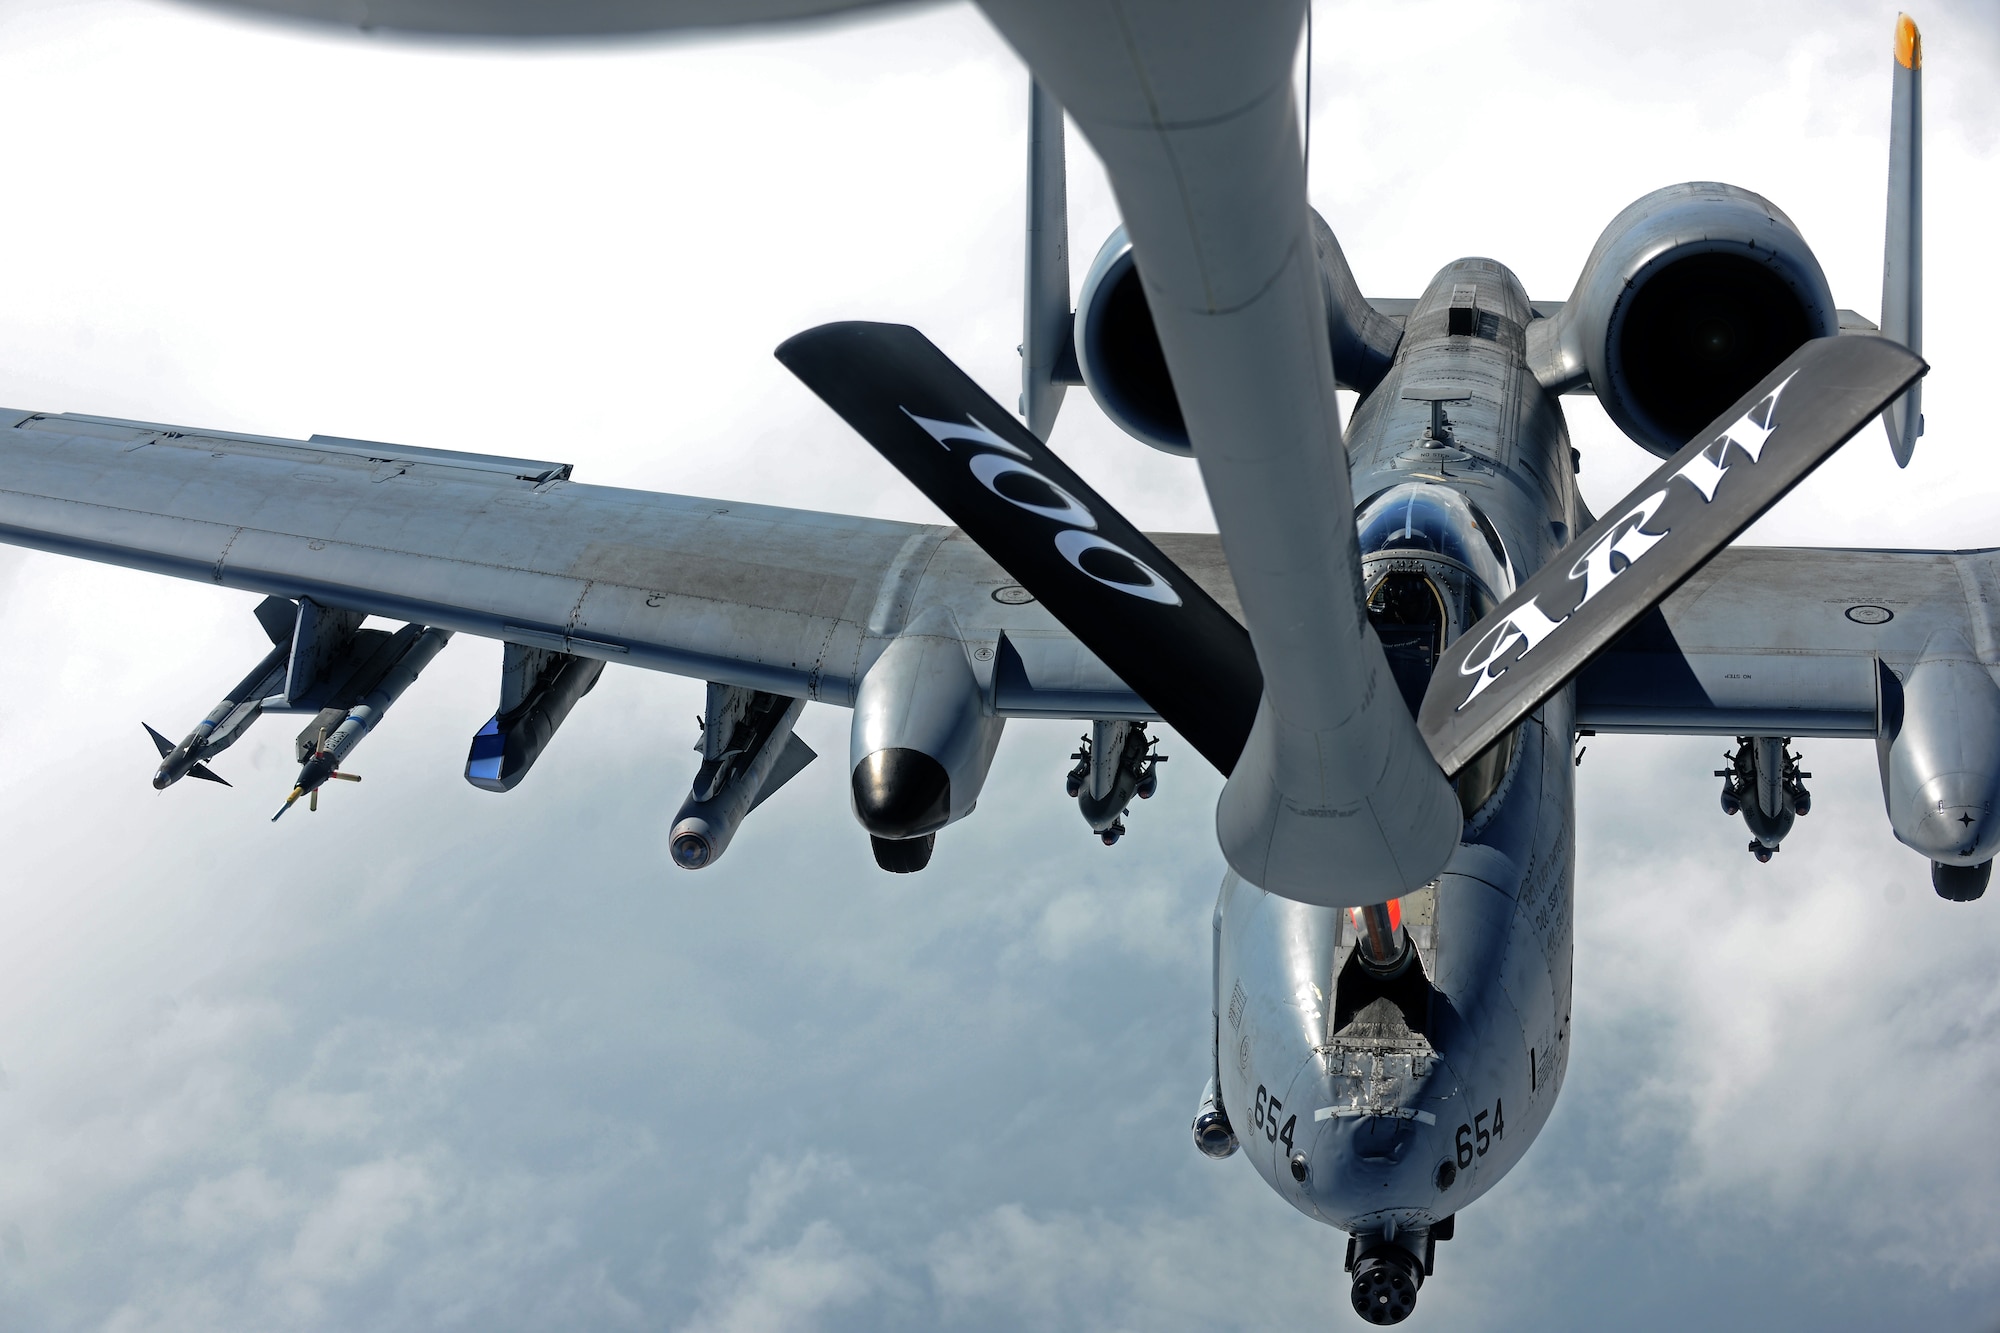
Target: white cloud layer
{"type": "Point", "coordinates": [436, 1059]}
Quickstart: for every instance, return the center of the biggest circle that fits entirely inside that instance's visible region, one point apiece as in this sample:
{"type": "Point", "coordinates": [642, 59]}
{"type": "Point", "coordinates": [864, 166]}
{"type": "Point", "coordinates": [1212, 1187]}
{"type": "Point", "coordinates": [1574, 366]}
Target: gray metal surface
{"type": "Point", "coordinates": [544, 18]}
{"type": "Point", "coordinates": [1671, 524]}
{"type": "Point", "coordinates": [1191, 111]}
{"type": "Point", "coordinates": [789, 601]}
{"type": "Point", "coordinates": [1903, 231]}
{"type": "Point", "coordinates": [1045, 316]}
{"type": "Point", "coordinates": [1784, 640]}
{"type": "Point", "coordinates": [1939, 748]}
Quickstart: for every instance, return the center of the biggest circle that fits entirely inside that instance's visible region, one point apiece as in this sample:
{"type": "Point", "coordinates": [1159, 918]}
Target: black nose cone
{"type": "Point", "coordinates": [901, 793]}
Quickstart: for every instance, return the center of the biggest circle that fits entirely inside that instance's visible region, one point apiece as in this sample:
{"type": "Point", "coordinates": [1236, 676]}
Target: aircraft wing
{"type": "Point", "coordinates": [785, 601]}
{"type": "Point", "coordinates": [1783, 641]}
{"type": "Point", "coordinates": [1764, 640]}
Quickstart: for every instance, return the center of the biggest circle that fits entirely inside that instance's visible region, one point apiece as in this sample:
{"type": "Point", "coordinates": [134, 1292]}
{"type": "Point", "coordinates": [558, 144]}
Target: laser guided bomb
{"type": "Point", "coordinates": [1765, 785]}
{"type": "Point", "coordinates": [1117, 762]}
{"type": "Point", "coordinates": [380, 679]}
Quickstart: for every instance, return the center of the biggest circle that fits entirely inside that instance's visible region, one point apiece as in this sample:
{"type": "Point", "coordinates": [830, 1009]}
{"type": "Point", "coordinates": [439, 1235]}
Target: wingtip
{"type": "Point", "coordinates": [1909, 43]}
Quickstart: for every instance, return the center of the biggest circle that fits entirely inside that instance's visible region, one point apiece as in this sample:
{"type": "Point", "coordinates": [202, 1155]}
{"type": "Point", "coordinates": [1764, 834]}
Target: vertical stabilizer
{"type": "Point", "coordinates": [1903, 233]}
{"type": "Point", "coordinates": [1045, 332]}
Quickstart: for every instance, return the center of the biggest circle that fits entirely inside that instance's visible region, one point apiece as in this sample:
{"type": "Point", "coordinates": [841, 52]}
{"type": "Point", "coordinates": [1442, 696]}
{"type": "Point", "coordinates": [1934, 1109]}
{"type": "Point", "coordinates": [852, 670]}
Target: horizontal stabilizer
{"type": "Point", "coordinates": [165, 746]}
{"type": "Point", "coordinates": [1104, 581]}
{"type": "Point", "coordinates": [790, 763]}
{"type": "Point", "coordinates": [1693, 506]}
{"type": "Point", "coordinates": [207, 774]}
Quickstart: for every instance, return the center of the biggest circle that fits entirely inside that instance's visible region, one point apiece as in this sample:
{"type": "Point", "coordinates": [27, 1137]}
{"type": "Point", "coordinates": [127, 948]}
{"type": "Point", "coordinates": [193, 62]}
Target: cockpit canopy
{"type": "Point", "coordinates": [1419, 520]}
{"type": "Point", "coordinates": [1432, 565]}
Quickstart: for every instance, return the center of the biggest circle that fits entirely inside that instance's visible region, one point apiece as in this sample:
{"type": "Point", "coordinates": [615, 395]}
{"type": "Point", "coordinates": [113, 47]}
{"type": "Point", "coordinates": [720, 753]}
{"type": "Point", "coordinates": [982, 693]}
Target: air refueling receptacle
{"type": "Point", "coordinates": [1116, 762]}
{"type": "Point", "coordinates": [1765, 785]}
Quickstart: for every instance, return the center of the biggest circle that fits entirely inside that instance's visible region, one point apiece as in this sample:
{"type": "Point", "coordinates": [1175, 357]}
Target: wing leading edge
{"type": "Point", "coordinates": [787, 601]}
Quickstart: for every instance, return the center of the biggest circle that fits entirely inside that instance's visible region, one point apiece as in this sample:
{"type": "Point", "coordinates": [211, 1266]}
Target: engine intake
{"type": "Point", "coordinates": [1119, 357]}
{"type": "Point", "coordinates": [1692, 294]}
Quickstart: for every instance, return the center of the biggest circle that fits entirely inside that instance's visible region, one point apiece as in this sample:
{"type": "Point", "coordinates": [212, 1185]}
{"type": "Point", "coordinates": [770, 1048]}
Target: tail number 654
{"type": "Point", "coordinates": [1476, 1139]}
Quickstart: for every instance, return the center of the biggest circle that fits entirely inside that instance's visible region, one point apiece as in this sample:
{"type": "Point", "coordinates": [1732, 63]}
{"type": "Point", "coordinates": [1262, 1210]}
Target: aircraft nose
{"type": "Point", "coordinates": [1957, 823]}
{"type": "Point", "coordinates": [1358, 1158]}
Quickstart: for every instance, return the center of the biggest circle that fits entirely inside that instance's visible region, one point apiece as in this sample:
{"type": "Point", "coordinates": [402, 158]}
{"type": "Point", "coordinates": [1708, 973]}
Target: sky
{"type": "Point", "coordinates": [435, 1058]}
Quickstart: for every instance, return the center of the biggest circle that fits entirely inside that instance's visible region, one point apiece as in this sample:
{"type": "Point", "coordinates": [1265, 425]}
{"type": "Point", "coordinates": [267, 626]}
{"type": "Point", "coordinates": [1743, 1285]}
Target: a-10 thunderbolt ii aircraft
{"type": "Point", "coordinates": [1388, 649]}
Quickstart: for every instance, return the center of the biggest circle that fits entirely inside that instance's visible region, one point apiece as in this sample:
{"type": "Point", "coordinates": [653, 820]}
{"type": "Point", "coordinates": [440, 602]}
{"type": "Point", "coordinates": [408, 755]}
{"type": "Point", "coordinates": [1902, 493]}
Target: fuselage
{"type": "Point", "coordinates": [1385, 1105]}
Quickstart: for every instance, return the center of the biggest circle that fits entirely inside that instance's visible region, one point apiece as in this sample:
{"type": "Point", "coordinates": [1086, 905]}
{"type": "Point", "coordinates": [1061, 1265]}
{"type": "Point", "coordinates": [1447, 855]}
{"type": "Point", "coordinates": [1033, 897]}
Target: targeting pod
{"type": "Point", "coordinates": [538, 687]}
{"type": "Point", "coordinates": [1212, 1131]}
{"type": "Point", "coordinates": [748, 751]}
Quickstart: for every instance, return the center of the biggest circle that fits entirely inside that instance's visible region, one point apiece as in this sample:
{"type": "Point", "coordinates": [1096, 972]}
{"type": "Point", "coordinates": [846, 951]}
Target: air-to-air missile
{"type": "Point", "coordinates": [228, 720]}
{"type": "Point", "coordinates": [409, 652]}
{"type": "Point", "coordinates": [748, 751]}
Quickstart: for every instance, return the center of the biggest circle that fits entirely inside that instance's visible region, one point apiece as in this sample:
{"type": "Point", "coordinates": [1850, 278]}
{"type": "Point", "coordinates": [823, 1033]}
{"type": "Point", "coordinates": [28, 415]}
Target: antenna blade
{"type": "Point", "coordinates": [1046, 332]}
{"type": "Point", "coordinates": [1903, 232]}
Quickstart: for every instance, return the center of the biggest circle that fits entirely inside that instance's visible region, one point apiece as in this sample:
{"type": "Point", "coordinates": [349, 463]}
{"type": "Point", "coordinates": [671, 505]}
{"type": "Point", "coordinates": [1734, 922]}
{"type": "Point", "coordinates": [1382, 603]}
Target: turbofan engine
{"type": "Point", "coordinates": [1691, 295]}
{"type": "Point", "coordinates": [1118, 354]}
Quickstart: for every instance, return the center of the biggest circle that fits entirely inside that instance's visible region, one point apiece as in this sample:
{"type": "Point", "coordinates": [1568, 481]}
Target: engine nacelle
{"type": "Point", "coordinates": [1118, 353]}
{"type": "Point", "coordinates": [1938, 743]}
{"type": "Point", "coordinates": [921, 742]}
{"type": "Point", "coordinates": [1691, 295]}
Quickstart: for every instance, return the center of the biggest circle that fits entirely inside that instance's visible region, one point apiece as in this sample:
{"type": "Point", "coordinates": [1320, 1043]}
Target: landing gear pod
{"type": "Point", "coordinates": [748, 751]}
{"type": "Point", "coordinates": [1938, 744]}
{"type": "Point", "coordinates": [921, 742]}
{"type": "Point", "coordinates": [1960, 884]}
{"type": "Point", "coordinates": [538, 687]}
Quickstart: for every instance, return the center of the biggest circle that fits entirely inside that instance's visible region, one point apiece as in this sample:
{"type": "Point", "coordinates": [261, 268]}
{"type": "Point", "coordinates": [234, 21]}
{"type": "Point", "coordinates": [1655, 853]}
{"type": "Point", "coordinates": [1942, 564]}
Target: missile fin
{"type": "Point", "coordinates": [791, 762]}
{"type": "Point", "coordinates": [166, 746]}
{"type": "Point", "coordinates": [207, 774]}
